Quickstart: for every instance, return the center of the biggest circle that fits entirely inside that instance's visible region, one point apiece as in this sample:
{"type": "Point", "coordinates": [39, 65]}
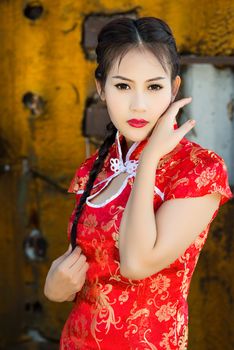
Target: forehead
{"type": "Point", "coordinates": [138, 62]}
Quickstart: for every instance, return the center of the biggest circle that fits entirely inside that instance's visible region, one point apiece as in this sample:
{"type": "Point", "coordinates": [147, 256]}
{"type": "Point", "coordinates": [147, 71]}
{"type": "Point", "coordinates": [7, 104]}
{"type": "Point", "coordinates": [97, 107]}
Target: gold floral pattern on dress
{"type": "Point", "coordinates": [180, 323]}
{"type": "Point", "coordinates": [78, 183]}
{"type": "Point", "coordinates": [183, 339]}
{"type": "Point", "coordinates": [169, 158]}
{"type": "Point", "coordinates": [195, 154]}
{"type": "Point", "coordinates": [218, 188]}
{"type": "Point", "coordinates": [90, 223]}
{"type": "Point", "coordinates": [160, 284]}
{"type": "Point", "coordinates": [116, 276]}
{"type": "Point", "coordinates": [107, 226]}
{"type": "Point", "coordinates": [103, 312]}
{"type": "Point", "coordinates": [79, 326]}
{"type": "Point", "coordinates": [166, 311]}
{"type": "Point", "coordinates": [182, 181]}
{"type": "Point", "coordinates": [200, 240]}
{"type": "Point", "coordinates": [135, 313]}
{"type": "Point", "coordinates": [205, 177]}
{"type": "Point", "coordinates": [101, 176]}
{"type": "Point", "coordinates": [115, 212]}
{"type": "Point", "coordinates": [151, 346]}
{"type": "Point", "coordinates": [147, 314]}
{"type": "Point", "coordinates": [115, 236]}
{"type": "Point", "coordinates": [123, 297]}
{"type": "Point", "coordinates": [185, 273]}
{"type": "Point", "coordinates": [101, 254]}
{"type": "Point", "coordinates": [168, 339]}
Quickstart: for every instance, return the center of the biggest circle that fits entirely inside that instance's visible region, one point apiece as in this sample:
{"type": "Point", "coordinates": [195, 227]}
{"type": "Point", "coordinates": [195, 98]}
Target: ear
{"type": "Point", "coordinates": [99, 90]}
{"type": "Point", "coordinates": [175, 87]}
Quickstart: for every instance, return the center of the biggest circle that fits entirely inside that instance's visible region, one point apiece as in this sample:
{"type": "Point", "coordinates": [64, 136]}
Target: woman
{"type": "Point", "coordinates": [144, 202]}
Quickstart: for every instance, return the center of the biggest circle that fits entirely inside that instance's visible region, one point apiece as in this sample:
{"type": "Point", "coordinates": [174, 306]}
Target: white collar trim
{"type": "Point", "coordinates": [118, 166]}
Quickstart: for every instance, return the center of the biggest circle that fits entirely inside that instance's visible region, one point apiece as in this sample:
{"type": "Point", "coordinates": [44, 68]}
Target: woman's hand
{"type": "Point", "coordinates": [66, 276]}
{"type": "Point", "coordinates": [164, 138]}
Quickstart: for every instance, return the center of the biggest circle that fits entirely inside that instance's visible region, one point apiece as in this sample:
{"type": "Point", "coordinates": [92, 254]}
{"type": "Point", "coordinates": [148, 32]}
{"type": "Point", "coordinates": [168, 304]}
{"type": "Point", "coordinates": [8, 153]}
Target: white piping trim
{"type": "Point", "coordinates": [130, 151]}
{"type": "Point", "coordinates": [108, 200]}
{"type": "Point", "coordinates": [156, 189]}
{"type": "Point", "coordinates": [121, 168]}
{"type": "Point", "coordinates": [159, 192]}
{"type": "Point", "coordinates": [108, 178]}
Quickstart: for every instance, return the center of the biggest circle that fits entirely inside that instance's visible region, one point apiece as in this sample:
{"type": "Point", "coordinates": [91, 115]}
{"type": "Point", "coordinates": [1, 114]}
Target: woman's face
{"type": "Point", "coordinates": [138, 89]}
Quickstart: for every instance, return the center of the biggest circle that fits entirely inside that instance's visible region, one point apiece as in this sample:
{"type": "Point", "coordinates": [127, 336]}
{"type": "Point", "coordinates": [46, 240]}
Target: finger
{"type": "Point", "coordinates": [81, 277]}
{"type": "Point", "coordinates": [70, 248]}
{"type": "Point", "coordinates": [76, 266]}
{"type": "Point", "coordinates": [185, 128]}
{"type": "Point", "coordinates": [68, 251]}
{"type": "Point", "coordinates": [63, 256]}
{"type": "Point", "coordinates": [82, 272]}
{"type": "Point", "coordinates": [72, 257]}
{"type": "Point", "coordinates": [175, 106]}
{"type": "Point", "coordinates": [66, 254]}
{"type": "Point", "coordinates": [182, 102]}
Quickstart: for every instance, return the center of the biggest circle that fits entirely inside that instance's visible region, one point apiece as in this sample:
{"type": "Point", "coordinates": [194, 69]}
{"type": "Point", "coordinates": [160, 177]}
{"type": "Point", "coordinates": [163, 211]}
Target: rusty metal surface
{"type": "Point", "coordinates": [41, 53]}
{"type": "Point", "coordinates": [34, 346]}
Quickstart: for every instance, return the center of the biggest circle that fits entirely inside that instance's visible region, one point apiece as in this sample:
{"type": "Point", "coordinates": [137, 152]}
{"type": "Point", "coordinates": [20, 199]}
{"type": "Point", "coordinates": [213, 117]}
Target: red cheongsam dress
{"type": "Point", "coordinates": [111, 311]}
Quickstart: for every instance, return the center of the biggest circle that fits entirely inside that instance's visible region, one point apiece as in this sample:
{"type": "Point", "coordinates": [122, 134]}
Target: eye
{"type": "Point", "coordinates": [121, 86]}
{"type": "Point", "coordinates": [156, 87]}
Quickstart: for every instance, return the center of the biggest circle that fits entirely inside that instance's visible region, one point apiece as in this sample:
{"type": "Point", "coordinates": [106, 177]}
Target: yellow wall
{"type": "Point", "coordinates": [46, 57]}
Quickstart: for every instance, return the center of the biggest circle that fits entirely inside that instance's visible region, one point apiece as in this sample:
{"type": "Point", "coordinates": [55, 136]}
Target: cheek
{"type": "Point", "coordinates": [115, 102]}
{"type": "Point", "coordinates": [165, 106]}
{"type": "Point", "coordinates": [160, 102]}
{"type": "Point", "coordinates": [114, 108]}
{"type": "Point", "coordinates": [159, 110]}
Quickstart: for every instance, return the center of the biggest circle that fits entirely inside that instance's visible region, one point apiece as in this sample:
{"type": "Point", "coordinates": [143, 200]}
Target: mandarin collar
{"type": "Point", "coordinates": [135, 149]}
{"type": "Point", "coordinates": [118, 165]}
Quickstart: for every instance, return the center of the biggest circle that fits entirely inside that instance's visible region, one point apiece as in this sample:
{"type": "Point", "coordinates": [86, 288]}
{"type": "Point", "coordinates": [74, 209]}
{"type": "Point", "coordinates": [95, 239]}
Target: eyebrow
{"type": "Point", "coordinates": [123, 78]}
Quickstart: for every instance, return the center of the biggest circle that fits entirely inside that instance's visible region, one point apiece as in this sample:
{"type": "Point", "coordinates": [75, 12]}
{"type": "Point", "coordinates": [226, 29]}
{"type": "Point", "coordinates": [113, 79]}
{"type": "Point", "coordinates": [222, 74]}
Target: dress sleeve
{"type": "Point", "coordinates": [76, 182]}
{"type": "Point", "coordinates": [74, 187]}
{"type": "Point", "coordinates": [80, 177]}
{"type": "Point", "coordinates": [77, 186]}
{"type": "Point", "coordinates": [207, 175]}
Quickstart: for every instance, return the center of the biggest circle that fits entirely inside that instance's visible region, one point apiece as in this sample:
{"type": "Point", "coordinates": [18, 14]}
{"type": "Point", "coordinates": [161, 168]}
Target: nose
{"type": "Point", "coordinates": [138, 103]}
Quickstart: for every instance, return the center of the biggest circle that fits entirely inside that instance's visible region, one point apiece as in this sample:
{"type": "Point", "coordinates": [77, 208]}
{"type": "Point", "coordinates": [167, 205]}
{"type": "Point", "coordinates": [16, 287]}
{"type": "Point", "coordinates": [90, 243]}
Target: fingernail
{"type": "Point", "coordinates": [192, 121]}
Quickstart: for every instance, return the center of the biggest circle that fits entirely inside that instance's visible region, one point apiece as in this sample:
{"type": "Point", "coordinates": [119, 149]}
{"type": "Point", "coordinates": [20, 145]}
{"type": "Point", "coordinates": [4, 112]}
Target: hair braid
{"type": "Point", "coordinates": [96, 168]}
{"type": "Point", "coordinates": [115, 39]}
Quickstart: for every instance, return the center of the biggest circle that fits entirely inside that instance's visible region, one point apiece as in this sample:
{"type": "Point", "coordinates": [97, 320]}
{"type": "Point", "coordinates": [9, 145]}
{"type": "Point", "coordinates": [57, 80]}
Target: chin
{"type": "Point", "coordinates": [136, 135]}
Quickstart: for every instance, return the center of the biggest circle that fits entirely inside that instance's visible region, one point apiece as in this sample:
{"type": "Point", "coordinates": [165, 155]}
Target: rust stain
{"type": "Point", "coordinates": [46, 56]}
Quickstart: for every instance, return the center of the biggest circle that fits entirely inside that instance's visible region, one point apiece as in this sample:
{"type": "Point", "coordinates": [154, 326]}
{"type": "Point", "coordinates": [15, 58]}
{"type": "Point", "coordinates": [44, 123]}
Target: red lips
{"type": "Point", "coordinates": [137, 123]}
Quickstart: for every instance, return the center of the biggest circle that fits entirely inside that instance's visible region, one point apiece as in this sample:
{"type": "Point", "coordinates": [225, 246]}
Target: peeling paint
{"type": "Point", "coordinates": [45, 56]}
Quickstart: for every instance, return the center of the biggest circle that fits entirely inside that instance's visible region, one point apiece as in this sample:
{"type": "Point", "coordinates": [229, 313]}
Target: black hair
{"type": "Point", "coordinates": [115, 39]}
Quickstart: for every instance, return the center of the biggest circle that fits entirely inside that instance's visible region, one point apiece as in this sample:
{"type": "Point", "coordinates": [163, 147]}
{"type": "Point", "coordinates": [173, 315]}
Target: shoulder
{"type": "Point", "coordinates": [202, 159]}
{"type": "Point", "coordinates": [189, 156]}
{"type": "Point", "coordinates": [82, 173]}
{"type": "Point", "coordinates": [196, 171]}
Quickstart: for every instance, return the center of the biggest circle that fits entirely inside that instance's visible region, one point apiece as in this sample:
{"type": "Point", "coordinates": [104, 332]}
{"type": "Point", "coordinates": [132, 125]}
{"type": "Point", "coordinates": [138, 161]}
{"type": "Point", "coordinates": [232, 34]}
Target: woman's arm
{"type": "Point", "coordinates": [149, 242]}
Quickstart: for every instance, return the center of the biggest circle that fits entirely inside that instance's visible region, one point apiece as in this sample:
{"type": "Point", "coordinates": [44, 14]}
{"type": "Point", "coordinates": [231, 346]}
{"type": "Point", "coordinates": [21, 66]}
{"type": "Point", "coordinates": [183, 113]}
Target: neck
{"type": "Point", "coordinates": [129, 143]}
{"type": "Point", "coordinates": [125, 147]}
